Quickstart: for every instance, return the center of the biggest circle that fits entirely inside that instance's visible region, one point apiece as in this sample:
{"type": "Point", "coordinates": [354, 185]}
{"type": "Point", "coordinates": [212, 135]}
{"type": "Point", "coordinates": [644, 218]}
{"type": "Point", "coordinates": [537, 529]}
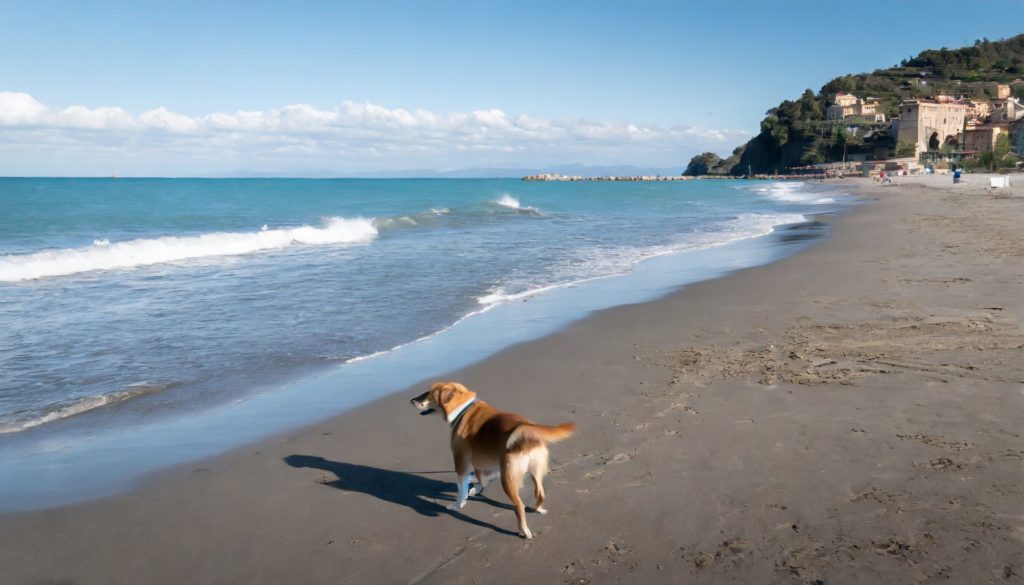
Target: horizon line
{"type": "Point", "coordinates": [236, 178]}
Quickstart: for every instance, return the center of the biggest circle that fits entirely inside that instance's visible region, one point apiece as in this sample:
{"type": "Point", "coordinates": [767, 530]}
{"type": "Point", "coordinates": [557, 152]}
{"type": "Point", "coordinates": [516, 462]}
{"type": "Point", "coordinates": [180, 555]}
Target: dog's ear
{"type": "Point", "coordinates": [447, 394]}
{"type": "Point", "coordinates": [435, 392]}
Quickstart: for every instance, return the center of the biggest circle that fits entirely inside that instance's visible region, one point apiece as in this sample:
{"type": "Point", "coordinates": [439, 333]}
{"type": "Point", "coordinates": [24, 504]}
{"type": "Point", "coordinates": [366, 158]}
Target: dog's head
{"type": "Point", "coordinates": [446, 397]}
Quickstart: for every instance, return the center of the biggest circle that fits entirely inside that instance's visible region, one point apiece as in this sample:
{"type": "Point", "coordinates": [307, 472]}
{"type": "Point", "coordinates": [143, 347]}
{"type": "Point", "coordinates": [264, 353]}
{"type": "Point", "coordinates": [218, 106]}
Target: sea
{"type": "Point", "coordinates": [147, 322]}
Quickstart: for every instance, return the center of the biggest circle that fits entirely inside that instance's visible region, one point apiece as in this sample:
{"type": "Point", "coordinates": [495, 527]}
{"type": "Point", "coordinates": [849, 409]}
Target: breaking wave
{"type": "Point", "coordinates": [606, 263]}
{"type": "Point", "coordinates": [103, 255]}
{"type": "Point", "coordinates": [75, 407]}
{"type": "Point", "coordinates": [511, 202]}
{"type": "Point", "coordinates": [792, 192]}
{"type": "Point", "coordinates": [508, 201]}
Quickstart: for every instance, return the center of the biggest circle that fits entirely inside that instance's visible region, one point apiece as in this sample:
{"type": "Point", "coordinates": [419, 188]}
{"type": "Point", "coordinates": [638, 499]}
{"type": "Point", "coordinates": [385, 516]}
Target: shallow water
{"type": "Point", "coordinates": [142, 319]}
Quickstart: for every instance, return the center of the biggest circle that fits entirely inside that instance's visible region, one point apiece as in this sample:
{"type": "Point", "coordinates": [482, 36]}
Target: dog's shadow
{"type": "Point", "coordinates": [412, 490]}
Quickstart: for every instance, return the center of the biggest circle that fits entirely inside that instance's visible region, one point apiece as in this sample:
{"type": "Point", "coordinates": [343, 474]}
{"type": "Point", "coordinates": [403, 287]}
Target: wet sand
{"type": "Point", "coordinates": [850, 414]}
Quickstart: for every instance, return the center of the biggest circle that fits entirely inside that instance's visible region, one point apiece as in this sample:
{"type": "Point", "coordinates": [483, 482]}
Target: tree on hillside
{"type": "Point", "coordinates": [905, 149]}
{"type": "Point", "coordinates": [987, 160]}
{"type": "Point", "coordinates": [844, 84]}
{"type": "Point", "coordinates": [702, 164]}
{"type": "Point", "coordinates": [1000, 149]}
{"type": "Point", "coordinates": [811, 156]}
{"type": "Point", "coordinates": [842, 138]}
{"type": "Point", "coordinates": [773, 127]}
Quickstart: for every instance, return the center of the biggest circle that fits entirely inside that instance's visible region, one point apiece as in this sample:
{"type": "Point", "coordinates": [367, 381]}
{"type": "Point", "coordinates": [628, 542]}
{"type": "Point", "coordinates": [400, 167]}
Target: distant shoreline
{"type": "Point", "coordinates": [657, 179]}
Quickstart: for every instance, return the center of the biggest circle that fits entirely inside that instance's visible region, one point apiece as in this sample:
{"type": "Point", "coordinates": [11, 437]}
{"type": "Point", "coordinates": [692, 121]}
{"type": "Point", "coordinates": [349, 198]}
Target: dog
{"type": "Point", "coordinates": [486, 442]}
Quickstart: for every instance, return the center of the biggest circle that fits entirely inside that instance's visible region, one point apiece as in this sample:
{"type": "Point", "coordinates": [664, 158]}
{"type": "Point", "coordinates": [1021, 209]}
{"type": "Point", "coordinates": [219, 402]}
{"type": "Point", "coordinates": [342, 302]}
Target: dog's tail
{"type": "Point", "coordinates": [528, 434]}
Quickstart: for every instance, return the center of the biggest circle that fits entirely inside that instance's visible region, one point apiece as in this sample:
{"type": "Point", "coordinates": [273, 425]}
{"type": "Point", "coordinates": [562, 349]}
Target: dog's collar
{"type": "Point", "coordinates": [456, 415]}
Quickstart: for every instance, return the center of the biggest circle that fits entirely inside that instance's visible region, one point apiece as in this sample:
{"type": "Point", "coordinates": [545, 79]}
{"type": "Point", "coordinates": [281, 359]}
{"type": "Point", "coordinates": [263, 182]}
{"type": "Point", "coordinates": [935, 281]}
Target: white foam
{"type": "Point", "coordinates": [792, 192]}
{"type": "Point", "coordinates": [499, 295]}
{"type": "Point", "coordinates": [509, 201]}
{"type": "Point", "coordinates": [76, 407]}
{"type": "Point", "coordinates": [103, 255]}
{"type": "Point", "coordinates": [606, 263]}
{"type": "Point", "coordinates": [390, 222]}
{"type": "Point", "coordinates": [750, 225]}
{"type": "Point", "coordinates": [420, 339]}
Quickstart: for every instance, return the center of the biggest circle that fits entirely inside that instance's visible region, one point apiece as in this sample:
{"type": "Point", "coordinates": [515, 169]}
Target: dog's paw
{"type": "Point", "coordinates": [542, 511]}
{"type": "Point", "coordinates": [526, 534]}
{"type": "Point", "coordinates": [455, 506]}
{"type": "Point", "coordinates": [475, 490]}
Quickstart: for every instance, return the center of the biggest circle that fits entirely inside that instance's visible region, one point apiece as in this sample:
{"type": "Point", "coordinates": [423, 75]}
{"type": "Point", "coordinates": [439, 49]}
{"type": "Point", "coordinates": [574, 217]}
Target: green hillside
{"type": "Point", "coordinates": [796, 132]}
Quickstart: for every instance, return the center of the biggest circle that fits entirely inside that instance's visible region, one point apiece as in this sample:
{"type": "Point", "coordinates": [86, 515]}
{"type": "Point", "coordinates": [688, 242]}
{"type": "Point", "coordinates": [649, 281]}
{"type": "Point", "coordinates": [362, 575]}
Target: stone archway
{"type": "Point", "coordinates": [933, 142]}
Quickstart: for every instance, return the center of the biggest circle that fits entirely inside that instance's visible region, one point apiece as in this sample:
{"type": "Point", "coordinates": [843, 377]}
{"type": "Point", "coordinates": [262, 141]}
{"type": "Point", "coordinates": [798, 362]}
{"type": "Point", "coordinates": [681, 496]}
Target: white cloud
{"type": "Point", "coordinates": [19, 108]}
{"type": "Point", "coordinates": [354, 133]}
{"type": "Point", "coordinates": [96, 119]}
{"type": "Point", "coordinates": [165, 119]}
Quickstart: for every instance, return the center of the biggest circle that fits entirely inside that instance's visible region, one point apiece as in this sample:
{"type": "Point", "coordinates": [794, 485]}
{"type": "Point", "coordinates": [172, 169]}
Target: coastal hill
{"type": "Point", "coordinates": [797, 132]}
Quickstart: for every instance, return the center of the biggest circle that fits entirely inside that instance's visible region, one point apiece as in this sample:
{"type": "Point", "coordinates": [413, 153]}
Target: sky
{"type": "Point", "coordinates": [216, 88]}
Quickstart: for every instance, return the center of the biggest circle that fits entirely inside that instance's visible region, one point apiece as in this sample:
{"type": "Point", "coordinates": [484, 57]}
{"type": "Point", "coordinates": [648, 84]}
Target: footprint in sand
{"type": "Point", "coordinates": [942, 464]}
{"type": "Point", "coordinates": [619, 458]}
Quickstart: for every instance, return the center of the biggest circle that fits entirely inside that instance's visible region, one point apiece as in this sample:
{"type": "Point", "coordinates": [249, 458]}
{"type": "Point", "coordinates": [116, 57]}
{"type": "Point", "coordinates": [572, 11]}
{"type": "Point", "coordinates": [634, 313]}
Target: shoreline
{"type": "Point", "coordinates": [134, 395]}
{"type": "Point", "coordinates": [91, 459]}
{"type": "Point", "coordinates": [705, 449]}
{"type": "Point", "coordinates": [663, 178]}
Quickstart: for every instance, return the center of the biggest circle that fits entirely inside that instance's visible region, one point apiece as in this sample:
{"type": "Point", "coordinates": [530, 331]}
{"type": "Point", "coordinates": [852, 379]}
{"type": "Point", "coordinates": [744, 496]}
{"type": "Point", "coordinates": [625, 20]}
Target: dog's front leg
{"type": "Point", "coordinates": [462, 469]}
{"type": "Point", "coordinates": [483, 478]}
{"type": "Point", "coordinates": [460, 501]}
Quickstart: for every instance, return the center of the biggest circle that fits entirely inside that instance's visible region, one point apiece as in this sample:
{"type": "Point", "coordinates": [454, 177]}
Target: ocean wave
{"type": "Point", "coordinates": [506, 205]}
{"type": "Point", "coordinates": [750, 225]}
{"type": "Point", "coordinates": [375, 354]}
{"type": "Point", "coordinates": [512, 202]}
{"type": "Point", "coordinates": [383, 223]}
{"type": "Point", "coordinates": [608, 263]}
{"type": "Point", "coordinates": [75, 407]}
{"type": "Point", "coordinates": [498, 295]}
{"type": "Point", "coordinates": [507, 200]}
{"type": "Point", "coordinates": [793, 192]}
{"type": "Point", "coordinates": [103, 255]}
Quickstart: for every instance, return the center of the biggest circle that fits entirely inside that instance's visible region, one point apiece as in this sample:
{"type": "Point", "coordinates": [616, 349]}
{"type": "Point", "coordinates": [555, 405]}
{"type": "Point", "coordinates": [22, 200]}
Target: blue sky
{"type": "Point", "coordinates": [130, 87]}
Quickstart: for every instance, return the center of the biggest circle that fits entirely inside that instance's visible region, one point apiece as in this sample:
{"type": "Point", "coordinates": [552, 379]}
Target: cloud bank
{"type": "Point", "coordinates": [37, 138]}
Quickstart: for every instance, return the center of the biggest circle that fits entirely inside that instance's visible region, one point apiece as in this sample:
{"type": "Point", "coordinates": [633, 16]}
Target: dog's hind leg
{"type": "Point", "coordinates": [513, 468]}
{"type": "Point", "coordinates": [483, 479]}
{"type": "Point", "coordinates": [538, 469]}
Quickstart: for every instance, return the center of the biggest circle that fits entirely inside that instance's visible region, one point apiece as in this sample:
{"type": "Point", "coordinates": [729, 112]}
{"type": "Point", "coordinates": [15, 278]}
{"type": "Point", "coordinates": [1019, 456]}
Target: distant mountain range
{"type": "Point", "coordinates": [474, 173]}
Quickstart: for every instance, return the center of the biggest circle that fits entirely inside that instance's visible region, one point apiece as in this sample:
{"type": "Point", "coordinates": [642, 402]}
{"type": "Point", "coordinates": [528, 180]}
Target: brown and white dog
{"type": "Point", "coordinates": [486, 441]}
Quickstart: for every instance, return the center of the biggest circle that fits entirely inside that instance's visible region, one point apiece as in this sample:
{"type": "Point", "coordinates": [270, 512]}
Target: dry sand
{"type": "Point", "coordinates": [851, 414]}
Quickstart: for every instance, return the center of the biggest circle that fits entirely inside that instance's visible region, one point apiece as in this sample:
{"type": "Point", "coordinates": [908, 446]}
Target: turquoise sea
{"type": "Point", "coordinates": [144, 322]}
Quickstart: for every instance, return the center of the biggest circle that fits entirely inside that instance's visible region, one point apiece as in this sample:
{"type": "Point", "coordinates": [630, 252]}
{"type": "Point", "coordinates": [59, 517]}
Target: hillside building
{"type": "Point", "coordinates": [983, 138]}
{"type": "Point", "coordinates": [992, 89]}
{"type": "Point", "coordinates": [1007, 111]}
{"type": "Point", "coordinates": [930, 124]}
{"type": "Point", "coordinates": [1016, 131]}
{"type": "Point", "coordinates": [846, 105]}
{"type": "Point", "coordinates": [977, 111]}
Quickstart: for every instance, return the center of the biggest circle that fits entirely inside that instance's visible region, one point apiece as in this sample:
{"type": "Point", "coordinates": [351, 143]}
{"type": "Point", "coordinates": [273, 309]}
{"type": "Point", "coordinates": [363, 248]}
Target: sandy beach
{"type": "Point", "coordinates": [849, 414]}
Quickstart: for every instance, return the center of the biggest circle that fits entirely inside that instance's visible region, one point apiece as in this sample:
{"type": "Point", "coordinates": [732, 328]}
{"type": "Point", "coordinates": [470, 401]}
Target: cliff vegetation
{"type": "Point", "coordinates": [795, 132]}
